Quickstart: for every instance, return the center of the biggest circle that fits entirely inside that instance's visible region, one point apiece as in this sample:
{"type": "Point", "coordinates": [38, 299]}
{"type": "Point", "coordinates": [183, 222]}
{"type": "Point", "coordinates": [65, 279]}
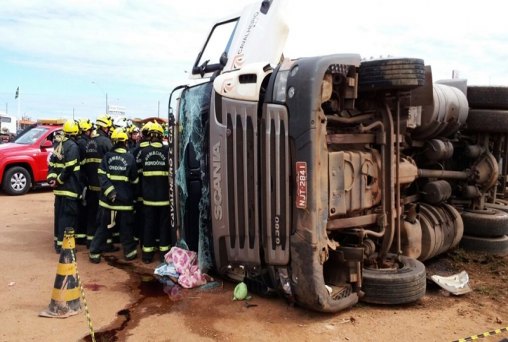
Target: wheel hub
{"type": "Point", "coordinates": [18, 181]}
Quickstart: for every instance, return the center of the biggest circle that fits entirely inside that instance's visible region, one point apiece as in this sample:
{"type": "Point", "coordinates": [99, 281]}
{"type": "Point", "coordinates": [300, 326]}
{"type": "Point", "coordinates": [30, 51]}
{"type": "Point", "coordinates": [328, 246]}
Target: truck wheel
{"type": "Point", "coordinates": [485, 223]}
{"type": "Point", "coordinates": [17, 181]}
{"type": "Point", "coordinates": [487, 120]}
{"type": "Point", "coordinates": [404, 284]}
{"type": "Point", "coordinates": [487, 97]}
{"type": "Point", "coordinates": [391, 74]}
{"type": "Point", "coordinates": [494, 246]}
{"type": "Point", "coordinates": [499, 205]}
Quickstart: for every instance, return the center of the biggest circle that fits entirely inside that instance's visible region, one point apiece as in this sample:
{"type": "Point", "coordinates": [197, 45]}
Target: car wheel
{"type": "Point", "coordinates": [485, 223]}
{"type": "Point", "coordinates": [17, 181]}
{"type": "Point", "coordinates": [487, 120]}
{"type": "Point", "coordinates": [405, 283]}
{"type": "Point", "coordinates": [493, 246]}
{"type": "Point", "coordinates": [486, 97]}
{"type": "Point", "coordinates": [391, 74]}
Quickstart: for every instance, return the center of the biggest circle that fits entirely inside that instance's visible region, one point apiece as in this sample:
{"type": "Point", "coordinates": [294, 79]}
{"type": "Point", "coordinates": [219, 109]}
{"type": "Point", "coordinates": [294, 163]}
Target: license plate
{"type": "Point", "coordinates": [301, 185]}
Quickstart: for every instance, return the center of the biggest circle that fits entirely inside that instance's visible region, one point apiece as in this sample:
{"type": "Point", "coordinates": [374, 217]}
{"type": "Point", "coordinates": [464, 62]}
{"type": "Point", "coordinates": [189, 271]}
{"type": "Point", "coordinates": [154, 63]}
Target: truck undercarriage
{"type": "Point", "coordinates": [331, 179]}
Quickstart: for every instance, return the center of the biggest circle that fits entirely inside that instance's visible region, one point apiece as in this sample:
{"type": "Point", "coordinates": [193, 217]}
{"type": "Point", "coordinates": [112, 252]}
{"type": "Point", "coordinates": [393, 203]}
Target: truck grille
{"type": "Point", "coordinates": [256, 162]}
{"type": "Point", "coordinates": [275, 185]}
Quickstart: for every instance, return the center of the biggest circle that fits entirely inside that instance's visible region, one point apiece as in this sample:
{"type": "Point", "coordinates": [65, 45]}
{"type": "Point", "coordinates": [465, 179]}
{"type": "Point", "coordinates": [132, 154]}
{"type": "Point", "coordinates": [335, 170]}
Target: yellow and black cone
{"type": "Point", "coordinates": [65, 298]}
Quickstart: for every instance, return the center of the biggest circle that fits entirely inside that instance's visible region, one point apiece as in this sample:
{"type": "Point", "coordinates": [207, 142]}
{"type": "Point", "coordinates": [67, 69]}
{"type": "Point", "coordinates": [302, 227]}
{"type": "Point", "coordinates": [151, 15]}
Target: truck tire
{"type": "Point", "coordinates": [485, 223]}
{"type": "Point", "coordinates": [405, 284]}
{"type": "Point", "coordinates": [17, 181]}
{"type": "Point", "coordinates": [391, 74]}
{"type": "Point", "coordinates": [486, 97]}
{"type": "Point", "coordinates": [499, 205]}
{"type": "Point", "coordinates": [487, 120]}
{"type": "Point", "coordinates": [493, 246]}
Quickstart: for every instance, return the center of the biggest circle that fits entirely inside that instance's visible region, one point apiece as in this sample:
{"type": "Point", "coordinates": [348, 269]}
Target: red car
{"type": "Point", "coordinates": [24, 162]}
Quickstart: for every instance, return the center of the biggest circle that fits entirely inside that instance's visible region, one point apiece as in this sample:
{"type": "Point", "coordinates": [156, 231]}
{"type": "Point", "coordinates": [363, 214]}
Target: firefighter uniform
{"type": "Point", "coordinates": [85, 127]}
{"type": "Point", "coordinates": [136, 152]}
{"type": "Point", "coordinates": [95, 150]}
{"type": "Point", "coordinates": [63, 176]}
{"type": "Point", "coordinates": [118, 178]}
{"type": "Point", "coordinates": [155, 188]}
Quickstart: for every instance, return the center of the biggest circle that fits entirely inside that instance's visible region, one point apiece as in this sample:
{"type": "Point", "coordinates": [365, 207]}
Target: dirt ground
{"type": "Point", "coordinates": [127, 304]}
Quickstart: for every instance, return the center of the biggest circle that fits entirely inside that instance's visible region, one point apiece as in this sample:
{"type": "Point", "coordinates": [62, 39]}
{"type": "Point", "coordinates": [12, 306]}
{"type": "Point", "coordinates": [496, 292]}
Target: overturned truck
{"type": "Point", "coordinates": [329, 179]}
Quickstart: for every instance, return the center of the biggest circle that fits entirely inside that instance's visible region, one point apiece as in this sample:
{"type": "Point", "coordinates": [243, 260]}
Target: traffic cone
{"type": "Point", "coordinates": [65, 298]}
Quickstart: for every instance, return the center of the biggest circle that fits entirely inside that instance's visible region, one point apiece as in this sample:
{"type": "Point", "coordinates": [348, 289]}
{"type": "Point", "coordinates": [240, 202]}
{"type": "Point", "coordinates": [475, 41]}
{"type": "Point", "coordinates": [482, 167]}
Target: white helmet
{"type": "Point", "coordinates": [120, 122]}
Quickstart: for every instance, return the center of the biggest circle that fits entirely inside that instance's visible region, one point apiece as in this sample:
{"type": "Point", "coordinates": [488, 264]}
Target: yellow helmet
{"type": "Point", "coordinates": [156, 128]}
{"type": "Point", "coordinates": [85, 125]}
{"type": "Point", "coordinates": [104, 121]}
{"type": "Point", "coordinates": [119, 135]}
{"type": "Point", "coordinates": [146, 127]}
{"type": "Point", "coordinates": [133, 129]}
{"type": "Point", "coordinates": [70, 127]}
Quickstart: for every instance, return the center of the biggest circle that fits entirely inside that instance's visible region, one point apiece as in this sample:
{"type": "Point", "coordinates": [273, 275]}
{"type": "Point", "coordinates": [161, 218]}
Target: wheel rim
{"type": "Point", "coordinates": [18, 181]}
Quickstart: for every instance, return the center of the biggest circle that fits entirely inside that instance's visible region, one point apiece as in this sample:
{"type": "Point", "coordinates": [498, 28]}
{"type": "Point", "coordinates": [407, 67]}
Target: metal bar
{"type": "Point", "coordinates": [443, 174]}
{"type": "Point", "coordinates": [359, 138]}
{"type": "Point", "coordinates": [351, 222]}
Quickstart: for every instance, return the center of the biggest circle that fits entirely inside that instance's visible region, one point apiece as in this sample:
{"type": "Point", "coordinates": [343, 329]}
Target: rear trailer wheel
{"type": "Point", "coordinates": [487, 97]}
{"type": "Point", "coordinates": [17, 181]}
{"type": "Point", "coordinates": [493, 246]}
{"type": "Point", "coordinates": [485, 223]}
{"type": "Point", "coordinates": [405, 283]}
{"type": "Point", "coordinates": [487, 120]}
{"type": "Point", "coordinates": [391, 74]}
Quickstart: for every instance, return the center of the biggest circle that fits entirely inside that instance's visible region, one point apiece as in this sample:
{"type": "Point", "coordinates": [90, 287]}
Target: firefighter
{"type": "Point", "coordinates": [136, 152]}
{"type": "Point", "coordinates": [118, 178]}
{"type": "Point", "coordinates": [133, 133]}
{"type": "Point", "coordinates": [155, 185]}
{"type": "Point", "coordinates": [85, 132]}
{"type": "Point", "coordinates": [63, 176]}
{"type": "Point", "coordinates": [95, 150]}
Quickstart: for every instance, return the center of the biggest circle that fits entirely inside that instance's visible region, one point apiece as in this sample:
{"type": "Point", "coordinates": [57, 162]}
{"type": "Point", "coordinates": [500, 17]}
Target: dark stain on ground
{"type": "Point", "coordinates": [93, 287]}
{"type": "Point", "coordinates": [149, 299]}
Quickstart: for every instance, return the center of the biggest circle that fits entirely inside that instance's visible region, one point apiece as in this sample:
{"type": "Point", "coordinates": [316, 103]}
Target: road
{"type": "Point", "coordinates": [126, 304]}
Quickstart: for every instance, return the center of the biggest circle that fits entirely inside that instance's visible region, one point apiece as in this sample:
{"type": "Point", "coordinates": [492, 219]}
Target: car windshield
{"type": "Point", "coordinates": [31, 136]}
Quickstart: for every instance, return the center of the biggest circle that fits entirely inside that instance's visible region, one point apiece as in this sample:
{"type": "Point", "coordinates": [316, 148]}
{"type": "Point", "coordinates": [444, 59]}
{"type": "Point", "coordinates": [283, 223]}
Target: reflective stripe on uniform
{"type": "Point", "coordinates": [118, 178]}
{"type": "Point", "coordinates": [148, 249]}
{"type": "Point", "coordinates": [89, 237]}
{"type": "Point", "coordinates": [155, 173]}
{"type": "Point", "coordinates": [136, 181]}
{"type": "Point", "coordinates": [92, 160]}
{"type": "Point", "coordinates": [155, 203]}
{"type": "Point", "coordinates": [116, 207]}
{"type": "Point", "coordinates": [108, 190]}
{"type": "Point", "coordinates": [52, 175]}
{"type": "Point", "coordinates": [101, 172]}
{"type": "Point", "coordinates": [94, 256]}
{"type": "Point", "coordinates": [94, 188]}
{"type": "Point", "coordinates": [131, 254]}
{"type": "Point", "coordinates": [77, 168]}
{"type": "Point", "coordinates": [164, 248]}
{"type": "Point", "coordinates": [58, 180]}
{"type": "Point", "coordinates": [80, 236]}
{"type": "Point", "coordinates": [71, 163]}
{"type": "Point", "coordinates": [65, 193]}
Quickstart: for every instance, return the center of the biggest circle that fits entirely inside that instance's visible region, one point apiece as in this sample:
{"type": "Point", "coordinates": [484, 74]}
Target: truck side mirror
{"type": "Point", "coordinates": [47, 144]}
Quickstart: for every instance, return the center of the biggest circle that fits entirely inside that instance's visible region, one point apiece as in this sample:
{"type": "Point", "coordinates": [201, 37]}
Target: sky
{"type": "Point", "coordinates": [67, 56]}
